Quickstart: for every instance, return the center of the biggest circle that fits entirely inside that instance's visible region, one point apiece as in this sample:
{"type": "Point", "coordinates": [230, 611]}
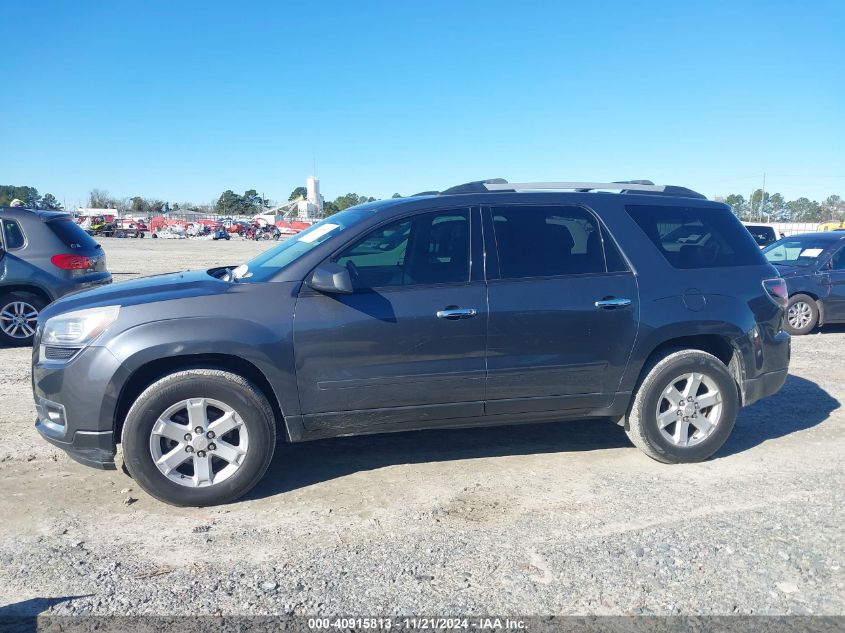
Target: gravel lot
{"type": "Point", "coordinates": [550, 519]}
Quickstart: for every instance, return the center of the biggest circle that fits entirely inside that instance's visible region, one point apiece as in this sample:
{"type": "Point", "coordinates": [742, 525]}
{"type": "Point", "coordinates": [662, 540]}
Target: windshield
{"type": "Point", "coordinates": [796, 251]}
{"type": "Point", "coordinates": [272, 261]}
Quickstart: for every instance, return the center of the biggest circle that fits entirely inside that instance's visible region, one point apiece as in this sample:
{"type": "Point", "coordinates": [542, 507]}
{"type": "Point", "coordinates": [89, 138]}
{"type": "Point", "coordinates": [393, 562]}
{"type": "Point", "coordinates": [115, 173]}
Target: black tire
{"type": "Point", "coordinates": [230, 389]}
{"type": "Point", "coordinates": [802, 315]}
{"type": "Point", "coordinates": [642, 426]}
{"type": "Point", "coordinates": [8, 303]}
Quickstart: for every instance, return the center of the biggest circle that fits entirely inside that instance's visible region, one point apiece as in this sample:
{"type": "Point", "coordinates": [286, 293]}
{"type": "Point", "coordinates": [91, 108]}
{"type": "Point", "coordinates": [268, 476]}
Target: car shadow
{"type": "Point", "coordinates": [830, 328]}
{"type": "Point", "coordinates": [23, 616]}
{"type": "Point", "coordinates": [299, 465]}
{"type": "Point", "coordinates": [801, 404]}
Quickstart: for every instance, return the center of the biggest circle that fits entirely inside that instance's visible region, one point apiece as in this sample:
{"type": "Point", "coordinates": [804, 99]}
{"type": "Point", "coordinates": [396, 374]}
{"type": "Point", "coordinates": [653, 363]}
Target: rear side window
{"type": "Point", "coordinates": [12, 235]}
{"type": "Point", "coordinates": [549, 241]}
{"type": "Point", "coordinates": [697, 237]}
{"type": "Point", "coordinates": [72, 235]}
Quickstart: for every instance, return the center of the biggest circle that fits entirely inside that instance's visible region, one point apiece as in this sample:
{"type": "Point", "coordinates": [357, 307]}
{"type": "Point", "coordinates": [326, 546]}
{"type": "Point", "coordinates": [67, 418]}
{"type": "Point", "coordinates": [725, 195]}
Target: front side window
{"type": "Point", "coordinates": [270, 262]}
{"type": "Point", "coordinates": [12, 235]}
{"type": "Point", "coordinates": [430, 248]}
{"type": "Point", "coordinates": [547, 241]}
{"type": "Point", "coordinates": [697, 237]}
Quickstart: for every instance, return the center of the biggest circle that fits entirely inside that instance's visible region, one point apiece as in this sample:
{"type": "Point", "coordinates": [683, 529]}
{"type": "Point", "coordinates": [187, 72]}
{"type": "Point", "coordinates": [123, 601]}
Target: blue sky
{"type": "Point", "coordinates": [181, 100]}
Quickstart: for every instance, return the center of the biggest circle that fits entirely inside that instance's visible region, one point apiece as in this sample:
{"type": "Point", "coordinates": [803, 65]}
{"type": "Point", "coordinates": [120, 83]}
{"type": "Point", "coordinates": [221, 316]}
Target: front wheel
{"type": "Point", "coordinates": [199, 437]}
{"type": "Point", "coordinates": [684, 409]}
{"type": "Point", "coordinates": [802, 315]}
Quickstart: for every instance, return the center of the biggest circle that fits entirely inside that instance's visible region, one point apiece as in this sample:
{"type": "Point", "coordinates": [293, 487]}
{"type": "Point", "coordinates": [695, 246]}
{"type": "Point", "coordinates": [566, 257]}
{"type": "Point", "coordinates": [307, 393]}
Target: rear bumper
{"type": "Point", "coordinates": [71, 286]}
{"type": "Point", "coordinates": [766, 364]}
{"type": "Point", "coordinates": [763, 386]}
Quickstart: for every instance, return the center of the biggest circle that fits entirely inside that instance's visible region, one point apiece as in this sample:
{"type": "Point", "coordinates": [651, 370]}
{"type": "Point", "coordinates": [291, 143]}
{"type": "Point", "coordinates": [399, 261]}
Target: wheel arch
{"type": "Point", "coordinates": [722, 346]}
{"type": "Point", "coordinates": [154, 370]}
{"type": "Point", "coordinates": [27, 287]}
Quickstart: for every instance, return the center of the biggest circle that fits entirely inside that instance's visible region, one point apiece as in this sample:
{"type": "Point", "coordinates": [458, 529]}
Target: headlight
{"type": "Point", "coordinates": [78, 328]}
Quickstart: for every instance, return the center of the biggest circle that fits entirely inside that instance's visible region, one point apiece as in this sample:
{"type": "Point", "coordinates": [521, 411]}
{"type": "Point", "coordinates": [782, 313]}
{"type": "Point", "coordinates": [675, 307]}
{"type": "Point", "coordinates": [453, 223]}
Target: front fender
{"type": "Point", "coordinates": [271, 352]}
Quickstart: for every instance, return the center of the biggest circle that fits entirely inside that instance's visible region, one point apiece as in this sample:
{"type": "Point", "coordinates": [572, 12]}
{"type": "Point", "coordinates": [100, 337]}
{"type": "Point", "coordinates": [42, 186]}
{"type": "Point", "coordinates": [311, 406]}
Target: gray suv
{"type": "Point", "coordinates": [43, 255]}
{"type": "Point", "coordinates": [488, 303]}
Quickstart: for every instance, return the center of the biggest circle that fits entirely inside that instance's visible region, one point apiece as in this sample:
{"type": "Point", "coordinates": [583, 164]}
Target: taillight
{"type": "Point", "coordinates": [777, 291]}
{"type": "Point", "coordinates": [72, 262]}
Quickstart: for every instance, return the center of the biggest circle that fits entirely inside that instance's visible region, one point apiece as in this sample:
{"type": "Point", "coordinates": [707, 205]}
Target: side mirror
{"type": "Point", "coordinates": [331, 278]}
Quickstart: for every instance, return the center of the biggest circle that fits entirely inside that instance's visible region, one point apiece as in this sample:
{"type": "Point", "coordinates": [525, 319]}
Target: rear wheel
{"type": "Point", "coordinates": [684, 409]}
{"type": "Point", "coordinates": [199, 437]}
{"type": "Point", "coordinates": [802, 315]}
{"type": "Point", "coordinates": [19, 316]}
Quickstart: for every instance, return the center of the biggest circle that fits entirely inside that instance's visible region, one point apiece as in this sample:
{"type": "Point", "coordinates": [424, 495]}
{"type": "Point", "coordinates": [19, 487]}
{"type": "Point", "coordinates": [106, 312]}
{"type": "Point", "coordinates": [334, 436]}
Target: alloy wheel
{"type": "Point", "coordinates": [18, 319]}
{"type": "Point", "coordinates": [199, 442]}
{"type": "Point", "coordinates": [689, 409]}
{"type": "Point", "coordinates": [800, 315]}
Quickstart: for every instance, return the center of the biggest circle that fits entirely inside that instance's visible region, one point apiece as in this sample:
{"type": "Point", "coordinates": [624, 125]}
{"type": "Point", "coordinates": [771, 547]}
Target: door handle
{"type": "Point", "coordinates": [453, 314]}
{"type": "Point", "coordinates": [610, 303]}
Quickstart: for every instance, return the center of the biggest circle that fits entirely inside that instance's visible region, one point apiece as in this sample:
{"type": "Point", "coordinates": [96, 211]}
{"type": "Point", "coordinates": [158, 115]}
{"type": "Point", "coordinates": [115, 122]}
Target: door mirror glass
{"type": "Point", "coordinates": [331, 279]}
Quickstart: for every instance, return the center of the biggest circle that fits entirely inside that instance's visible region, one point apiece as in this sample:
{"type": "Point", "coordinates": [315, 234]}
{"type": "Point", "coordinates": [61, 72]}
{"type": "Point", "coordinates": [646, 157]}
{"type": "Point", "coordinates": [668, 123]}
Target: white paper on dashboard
{"type": "Point", "coordinates": [811, 252]}
{"type": "Point", "coordinates": [318, 233]}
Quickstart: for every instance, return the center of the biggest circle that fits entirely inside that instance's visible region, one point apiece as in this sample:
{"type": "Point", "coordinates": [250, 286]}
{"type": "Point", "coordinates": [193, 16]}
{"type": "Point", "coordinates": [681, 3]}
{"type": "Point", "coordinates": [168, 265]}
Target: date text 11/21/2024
{"type": "Point", "coordinates": [417, 623]}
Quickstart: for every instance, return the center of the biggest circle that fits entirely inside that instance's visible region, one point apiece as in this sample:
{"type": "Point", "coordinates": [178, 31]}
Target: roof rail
{"type": "Point", "coordinates": [477, 186]}
{"type": "Point", "coordinates": [624, 186]}
{"type": "Point", "coordinates": [577, 186]}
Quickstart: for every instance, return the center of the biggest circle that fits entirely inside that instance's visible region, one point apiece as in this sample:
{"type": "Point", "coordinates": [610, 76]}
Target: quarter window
{"type": "Point", "coordinates": [12, 234]}
{"type": "Point", "coordinates": [430, 248]}
{"type": "Point", "coordinates": [697, 237]}
{"type": "Point", "coordinates": [549, 241]}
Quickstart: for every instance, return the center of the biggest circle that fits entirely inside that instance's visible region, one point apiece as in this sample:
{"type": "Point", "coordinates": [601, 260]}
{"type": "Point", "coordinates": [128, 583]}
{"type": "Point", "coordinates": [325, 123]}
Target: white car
{"type": "Point", "coordinates": [170, 233]}
{"type": "Point", "coordinates": [763, 234]}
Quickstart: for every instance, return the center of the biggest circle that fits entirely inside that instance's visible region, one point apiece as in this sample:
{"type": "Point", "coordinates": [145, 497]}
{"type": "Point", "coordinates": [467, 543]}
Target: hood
{"type": "Point", "coordinates": [194, 283]}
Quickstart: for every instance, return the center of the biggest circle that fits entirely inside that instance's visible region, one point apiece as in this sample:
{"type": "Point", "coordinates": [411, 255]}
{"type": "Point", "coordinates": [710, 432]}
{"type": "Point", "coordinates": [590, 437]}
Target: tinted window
{"type": "Point", "coordinates": [431, 248]}
{"type": "Point", "coordinates": [12, 234]}
{"type": "Point", "coordinates": [763, 235]}
{"type": "Point", "coordinates": [838, 261]}
{"type": "Point", "coordinates": [697, 237]}
{"type": "Point", "coordinates": [547, 241]}
{"type": "Point", "coordinates": [72, 235]}
{"type": "Point", "coordinates": [796, 251]}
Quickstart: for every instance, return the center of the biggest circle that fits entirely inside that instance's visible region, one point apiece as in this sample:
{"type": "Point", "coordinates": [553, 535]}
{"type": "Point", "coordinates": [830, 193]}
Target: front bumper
{"type": "Point", "coordinates": [76, 403]}
{"type": "Point", "coordinates": [91, 448]}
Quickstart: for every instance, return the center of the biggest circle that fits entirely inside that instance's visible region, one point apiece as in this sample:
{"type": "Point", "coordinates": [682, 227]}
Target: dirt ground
{"type": "Point", "coordinates": [562, 518]}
